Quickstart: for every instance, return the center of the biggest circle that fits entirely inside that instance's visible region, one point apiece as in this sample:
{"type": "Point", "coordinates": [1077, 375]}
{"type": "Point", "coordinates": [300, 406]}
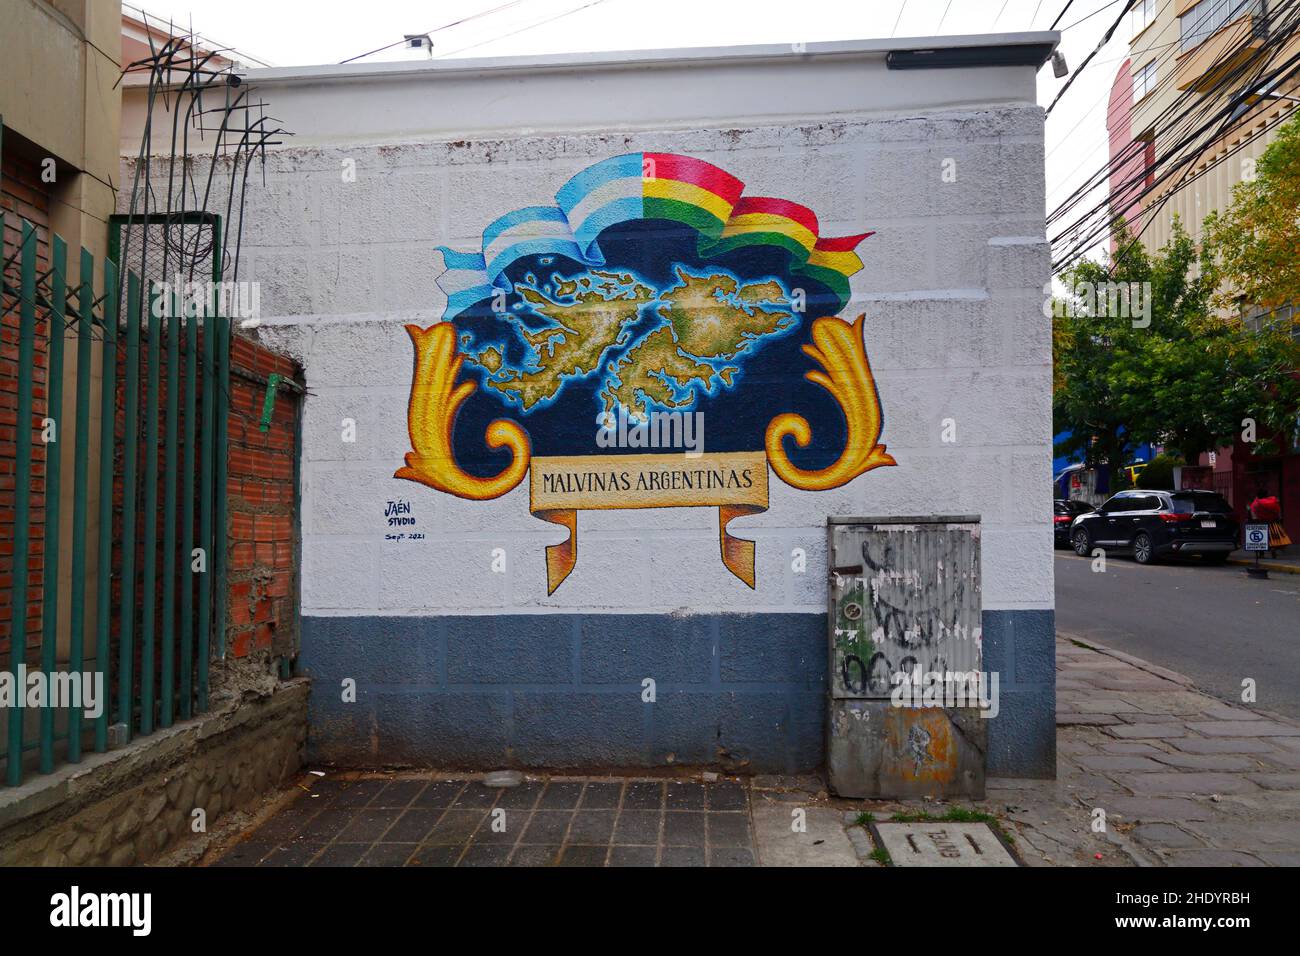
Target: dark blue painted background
{"type": "Point", "coordinates": [564, 691]}
{"type": "Point", "coordinates": [770, 380]}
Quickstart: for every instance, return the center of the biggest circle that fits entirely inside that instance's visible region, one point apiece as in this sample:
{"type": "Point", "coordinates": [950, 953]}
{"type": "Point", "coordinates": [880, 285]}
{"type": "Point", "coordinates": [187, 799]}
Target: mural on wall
{"type": "Point", "coordinates": [597, 346]}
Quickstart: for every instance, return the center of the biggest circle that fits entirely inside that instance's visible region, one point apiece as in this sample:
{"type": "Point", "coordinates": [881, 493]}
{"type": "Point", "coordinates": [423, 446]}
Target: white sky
{"type": "Point", "coordinates": [327, 31]}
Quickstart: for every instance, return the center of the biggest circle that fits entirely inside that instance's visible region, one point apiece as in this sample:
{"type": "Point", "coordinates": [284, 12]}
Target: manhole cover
{"type": "Point", "coordinates": [943, 844]}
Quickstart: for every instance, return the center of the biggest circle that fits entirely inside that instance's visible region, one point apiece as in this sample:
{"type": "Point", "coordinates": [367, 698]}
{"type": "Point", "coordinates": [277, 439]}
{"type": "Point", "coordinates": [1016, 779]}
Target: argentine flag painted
{"type": "Point", "coordinates": [472, 277]}
{"type": "Point", "coordinates": [603, 195]}
{"type": "Point", "coordinates": [464, 280]}
{"type": "Point", "coordinates": [536, 230]}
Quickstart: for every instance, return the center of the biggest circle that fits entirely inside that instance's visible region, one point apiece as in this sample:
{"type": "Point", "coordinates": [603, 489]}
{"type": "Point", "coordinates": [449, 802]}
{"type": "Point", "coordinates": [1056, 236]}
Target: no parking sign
{"type": "Point", "coordinates": [1256, 537]}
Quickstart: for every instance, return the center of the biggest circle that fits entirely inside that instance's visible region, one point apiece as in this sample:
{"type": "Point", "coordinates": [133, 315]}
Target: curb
{"type": "Point", "coordinates": [1169, 675]}
{"type": "Point", "coordinates": [1267, 565]}
{"type": "Point", "coordinates": [1137, 662]}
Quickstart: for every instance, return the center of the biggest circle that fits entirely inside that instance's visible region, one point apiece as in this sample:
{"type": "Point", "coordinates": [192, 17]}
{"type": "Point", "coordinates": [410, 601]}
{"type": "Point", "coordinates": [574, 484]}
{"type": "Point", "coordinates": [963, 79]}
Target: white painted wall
{"type": "Point", "coordinates": [952, 291]}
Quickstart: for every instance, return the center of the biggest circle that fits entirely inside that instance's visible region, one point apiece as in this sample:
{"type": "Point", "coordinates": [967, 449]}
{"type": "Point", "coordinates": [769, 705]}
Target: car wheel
{"type": "Point", "coordinates": [1143, 551]}
{"type": "Point", "coordinates": [1079, 541]}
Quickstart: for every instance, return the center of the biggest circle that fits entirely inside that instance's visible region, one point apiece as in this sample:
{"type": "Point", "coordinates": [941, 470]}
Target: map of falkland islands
{"type": "Point", "coordinates": [688, 338]}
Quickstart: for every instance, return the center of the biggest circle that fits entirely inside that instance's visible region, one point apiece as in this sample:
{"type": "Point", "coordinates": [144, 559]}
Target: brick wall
{"type": "Point", "coordinates": [262, 531]}
{"type": "Point", "coordinates": [22, 196]}
{"type": "Point", "coordinates": [263, 577]}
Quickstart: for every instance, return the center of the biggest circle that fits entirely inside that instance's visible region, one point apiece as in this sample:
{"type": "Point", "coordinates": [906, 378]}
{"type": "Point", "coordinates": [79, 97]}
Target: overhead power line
{"type": "Point", "coordinates": [1089, 16]}
{"type": "Point", "coordinates": [1228, 80]}
{"type": "Point", "coordinates": [1178, 158]}
{"type": "Point", "coordinates": [445, 26]}
{"type": "Point", "coordinates": [1165, 78]}
{"type": "Point", "coordinates": [1170, 157]}
{"type": "Point", "coordinates": [1228, 111]}
{"type": "Point", "coordinates": [1068, 4]}
{"type": "Point", "coordinates": [524, 29]}
{"type": "Point", "coordinates": [1120, 159]}
{"type": "Point", "coordinates": [899, 20]}
{"type": "Point", "coordinates": [1084, 65]}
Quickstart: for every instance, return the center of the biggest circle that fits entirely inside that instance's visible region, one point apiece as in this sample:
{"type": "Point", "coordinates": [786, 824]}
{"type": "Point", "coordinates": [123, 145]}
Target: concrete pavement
{"type": "Point", "coordinates": [1284, 562]}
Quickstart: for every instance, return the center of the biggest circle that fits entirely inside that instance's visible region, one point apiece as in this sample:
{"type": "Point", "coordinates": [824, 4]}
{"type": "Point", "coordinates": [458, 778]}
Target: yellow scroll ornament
{"type": "Point", "coordinates": [436, 399]}
{"type": "Point", "coordinates": [838, 347]}
{"type": "Point", "coordinates": [431, 415]}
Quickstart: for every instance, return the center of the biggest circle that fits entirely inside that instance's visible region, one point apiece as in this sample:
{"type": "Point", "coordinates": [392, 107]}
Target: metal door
{"type": "Point", "coordinates": [904, 602]}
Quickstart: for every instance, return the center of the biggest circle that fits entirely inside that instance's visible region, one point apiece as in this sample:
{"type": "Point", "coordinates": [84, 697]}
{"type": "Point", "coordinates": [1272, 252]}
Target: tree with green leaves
{"type": "Point", "coordinates": [1179, 374]}
{"type": "Point", "coordinates": [1258, 237]}
{"type": "Point", "coordinates": [1089, 342]}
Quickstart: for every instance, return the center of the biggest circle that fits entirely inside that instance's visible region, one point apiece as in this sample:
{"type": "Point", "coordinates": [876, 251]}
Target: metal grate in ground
{"type": "Point", "coordinates": [429, 820]}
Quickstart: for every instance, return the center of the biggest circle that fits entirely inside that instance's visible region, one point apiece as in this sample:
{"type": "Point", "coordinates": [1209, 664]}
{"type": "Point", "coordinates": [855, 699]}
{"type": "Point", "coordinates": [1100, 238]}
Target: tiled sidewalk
{"type": "Point", "coordinates": [1183, 779]}
{"type": "Point", "coordinates": [430, 820]}
{"type": "Point", "coordinates": [1189, 779]}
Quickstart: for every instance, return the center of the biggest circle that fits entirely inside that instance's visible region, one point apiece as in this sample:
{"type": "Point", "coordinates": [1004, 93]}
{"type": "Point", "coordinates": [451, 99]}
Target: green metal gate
{"type": "Point", "coordinates": [157, 603]}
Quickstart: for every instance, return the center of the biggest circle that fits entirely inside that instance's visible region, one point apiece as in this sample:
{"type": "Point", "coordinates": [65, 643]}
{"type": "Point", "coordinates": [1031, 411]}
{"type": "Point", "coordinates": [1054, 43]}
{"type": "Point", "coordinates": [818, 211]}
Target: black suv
{"type": "Point", "coordinates": [1156, 523]}
{"type": "Point", "coordinates": [1064, 513]}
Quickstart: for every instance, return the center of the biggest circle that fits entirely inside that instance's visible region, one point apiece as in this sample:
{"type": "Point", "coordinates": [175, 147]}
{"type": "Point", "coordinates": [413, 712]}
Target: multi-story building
{"type": "Point", "coordinates": [1202, 94]}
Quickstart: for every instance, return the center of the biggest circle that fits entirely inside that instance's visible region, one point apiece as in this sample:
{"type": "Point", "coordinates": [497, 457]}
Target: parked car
{"type": "Point", "coordinates": [1064, 514]}
{"type": "Point", "coordinates": [1152, 524]}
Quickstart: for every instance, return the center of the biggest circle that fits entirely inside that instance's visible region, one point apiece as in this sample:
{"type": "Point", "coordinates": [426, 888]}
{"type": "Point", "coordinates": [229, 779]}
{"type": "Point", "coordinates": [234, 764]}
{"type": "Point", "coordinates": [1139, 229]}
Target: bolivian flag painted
{"type": "Point", "coordinates": [662, 186]}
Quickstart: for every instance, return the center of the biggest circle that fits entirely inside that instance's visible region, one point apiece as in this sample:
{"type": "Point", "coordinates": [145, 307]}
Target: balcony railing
{"type": "Point", "coordinates": [1209, 17]}
{"type": "Point", "coordinates": [1217, 35]}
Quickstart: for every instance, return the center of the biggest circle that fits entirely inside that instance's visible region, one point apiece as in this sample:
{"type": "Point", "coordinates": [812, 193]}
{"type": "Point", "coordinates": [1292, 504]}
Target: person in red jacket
{"type": "Point", "coordinates": [1268, 510]}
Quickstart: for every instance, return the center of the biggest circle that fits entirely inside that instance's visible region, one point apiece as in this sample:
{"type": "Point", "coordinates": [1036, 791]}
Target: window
{"type": "Point", "coordinates": [1285, 317]}
{"type": "Point", "coordinates": [1144, 80]}
{"type": "Point", "coordinates": [1143, 12]}
{"type": "Point", "coordinates": [1118, 503]}
{"type": "Point", "coordinates": [1209, 17]}
{"type": "Point", "coordinates": [1190, 502]}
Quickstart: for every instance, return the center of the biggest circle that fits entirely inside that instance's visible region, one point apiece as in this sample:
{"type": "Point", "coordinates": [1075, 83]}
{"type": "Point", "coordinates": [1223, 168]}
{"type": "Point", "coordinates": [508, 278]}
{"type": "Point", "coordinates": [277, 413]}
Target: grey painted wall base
{"type": "Point", "coordinates": [735, 691]}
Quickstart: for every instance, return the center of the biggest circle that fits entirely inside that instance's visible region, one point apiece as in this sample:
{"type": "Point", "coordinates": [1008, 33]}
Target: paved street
{"type": "Point", "coordinates": [1180, 777]}
{"type": "Point", "coordinates": [1213, 624]}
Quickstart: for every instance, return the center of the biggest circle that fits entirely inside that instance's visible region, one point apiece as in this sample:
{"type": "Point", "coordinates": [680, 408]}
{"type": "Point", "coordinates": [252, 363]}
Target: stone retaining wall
{"type": "Point", "coordinates": [128, 806]}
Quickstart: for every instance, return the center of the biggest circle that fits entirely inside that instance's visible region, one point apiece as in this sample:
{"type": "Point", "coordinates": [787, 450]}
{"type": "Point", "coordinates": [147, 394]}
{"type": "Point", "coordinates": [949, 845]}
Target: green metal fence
{"type": "Point", "coordinates": [163, 392]}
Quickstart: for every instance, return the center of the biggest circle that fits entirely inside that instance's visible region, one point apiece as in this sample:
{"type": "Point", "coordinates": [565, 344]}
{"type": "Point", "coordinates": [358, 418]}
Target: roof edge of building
{"type": "Point", "coordinates": [973, 50]}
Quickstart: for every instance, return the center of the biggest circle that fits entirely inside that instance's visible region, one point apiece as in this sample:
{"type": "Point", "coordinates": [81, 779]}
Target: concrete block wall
{"type": "Point", "coordinates": [460, 658]}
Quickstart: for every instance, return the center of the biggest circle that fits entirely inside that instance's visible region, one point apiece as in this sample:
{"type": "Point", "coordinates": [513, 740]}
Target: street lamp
{"type": "Point", "coordinates": [1264, 92]}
